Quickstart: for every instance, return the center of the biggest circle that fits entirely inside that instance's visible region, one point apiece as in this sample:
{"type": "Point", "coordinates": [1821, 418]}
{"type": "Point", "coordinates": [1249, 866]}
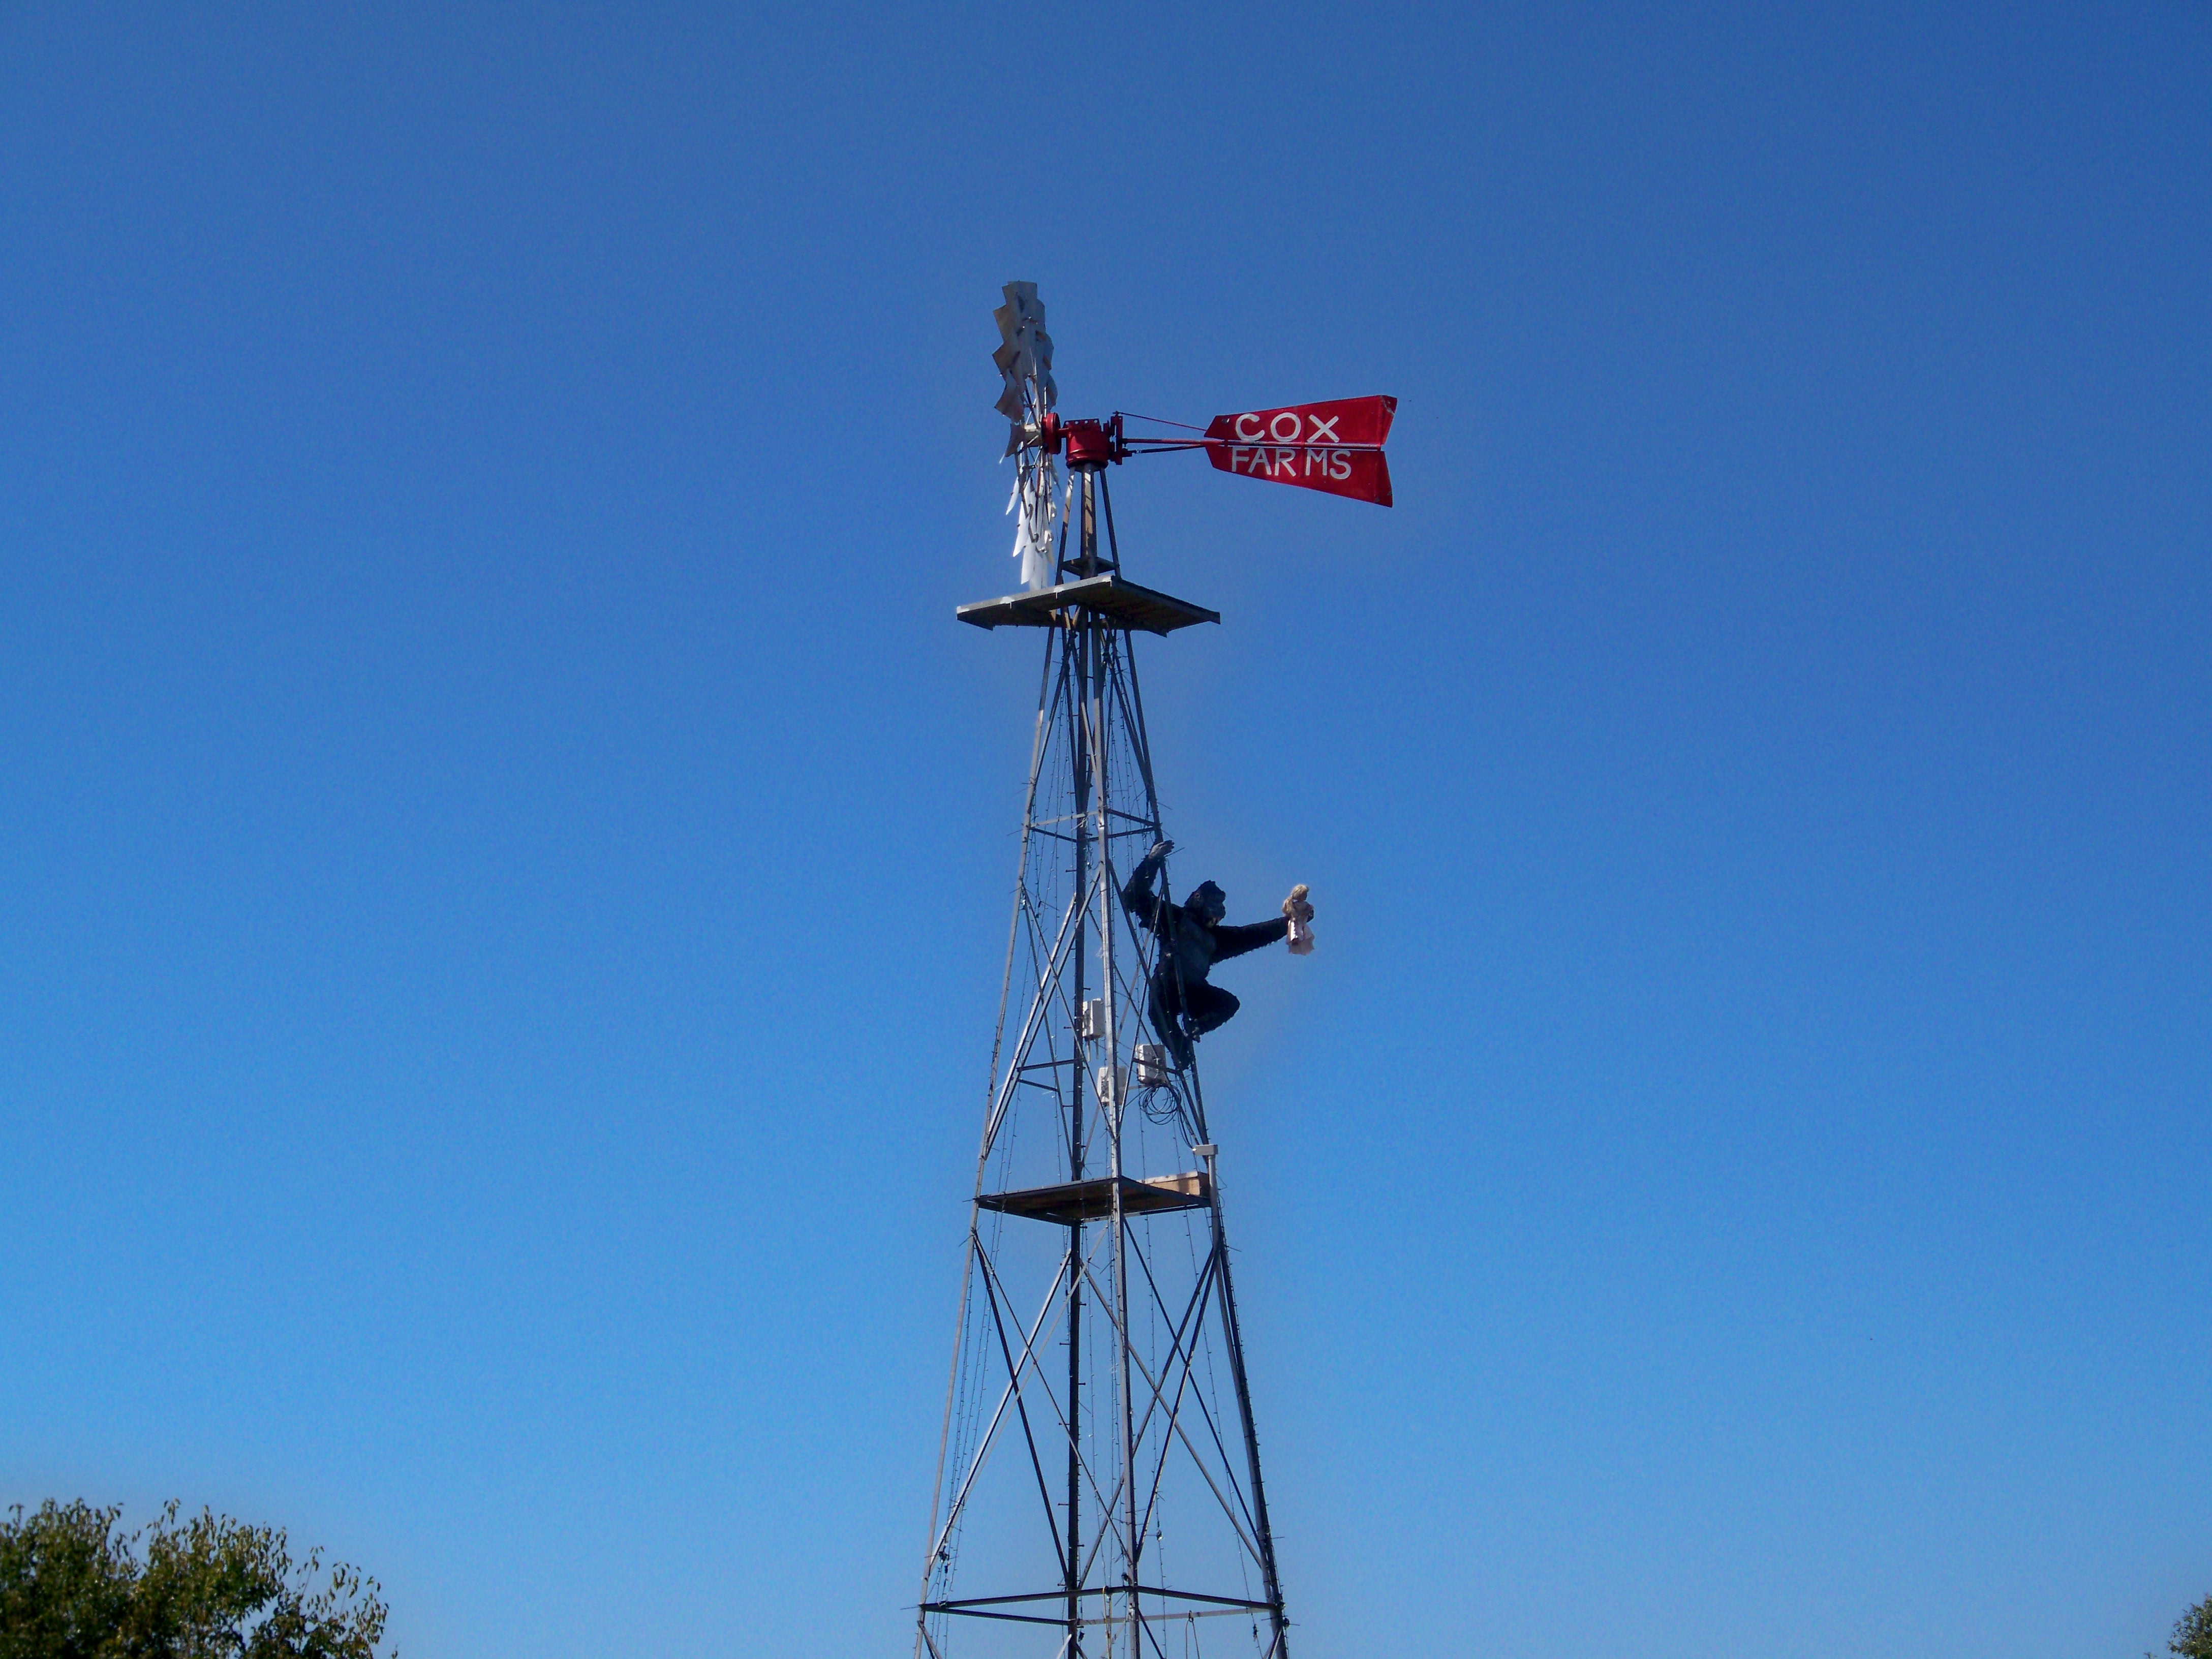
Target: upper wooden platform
{"type": "Point", "coordinates": [1128, 605]}
{"type": "Point", "coordinates": [1073, 1201]}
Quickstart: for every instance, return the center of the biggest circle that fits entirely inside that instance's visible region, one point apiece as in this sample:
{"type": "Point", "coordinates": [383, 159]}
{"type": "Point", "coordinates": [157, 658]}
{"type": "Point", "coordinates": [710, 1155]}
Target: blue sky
{"type": "Point", "coordinates": [507, 851]}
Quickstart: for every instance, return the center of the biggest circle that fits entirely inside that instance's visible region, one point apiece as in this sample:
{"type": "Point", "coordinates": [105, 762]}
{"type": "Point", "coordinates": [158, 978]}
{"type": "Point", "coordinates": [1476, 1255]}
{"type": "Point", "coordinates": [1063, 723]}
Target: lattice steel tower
{"type": "Point", "coordinates": [1098, 1492]}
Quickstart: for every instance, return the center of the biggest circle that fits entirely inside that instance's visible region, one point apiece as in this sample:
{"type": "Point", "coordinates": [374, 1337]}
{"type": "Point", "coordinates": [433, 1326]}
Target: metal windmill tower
{"type": "Point", "coordinates": [1099, 1491]}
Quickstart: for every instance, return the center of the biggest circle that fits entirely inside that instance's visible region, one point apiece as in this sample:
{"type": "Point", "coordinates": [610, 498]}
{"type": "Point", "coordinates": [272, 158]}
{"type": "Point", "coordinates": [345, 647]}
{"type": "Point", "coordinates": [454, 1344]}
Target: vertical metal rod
{"type": "Point", "coordinates": [1109, 900]}
{"type": "Point", "coordinates": [1113, 544]}
{"type": "Point", "coordinates": [1076, 639]}
{"type": "Point", "coordinates": [1092, 809]}
{"type": "Point", "coordinates": [1087, 560]}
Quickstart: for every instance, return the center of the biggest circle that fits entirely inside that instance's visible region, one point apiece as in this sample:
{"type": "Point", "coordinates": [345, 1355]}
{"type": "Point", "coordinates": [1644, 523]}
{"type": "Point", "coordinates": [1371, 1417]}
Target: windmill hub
{"type": "Point", "coordinates": [1092, 444]}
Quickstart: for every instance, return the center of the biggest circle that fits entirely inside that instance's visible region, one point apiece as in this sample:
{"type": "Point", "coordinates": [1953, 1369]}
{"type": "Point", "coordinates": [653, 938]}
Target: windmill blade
{"type": "Point", "coordinates": [1023, 356]}
{"type": "Point", "coordinates": [1335, 447]}
{"type": "Point", "coordinates": [1024, 363]}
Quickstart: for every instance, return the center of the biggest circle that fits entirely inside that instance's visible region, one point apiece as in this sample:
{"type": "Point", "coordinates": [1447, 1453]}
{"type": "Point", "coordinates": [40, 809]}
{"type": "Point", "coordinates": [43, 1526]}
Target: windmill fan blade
{"type": "Point", "coordinates": [1023, 358]}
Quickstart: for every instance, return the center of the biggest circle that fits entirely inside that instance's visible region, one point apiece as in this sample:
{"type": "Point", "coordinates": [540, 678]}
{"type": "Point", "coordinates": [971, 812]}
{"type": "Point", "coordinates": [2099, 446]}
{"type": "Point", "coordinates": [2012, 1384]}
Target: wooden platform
{"type": "Point", "coordinates": [1128, 605]}
{"type": "Point", "coordinates": [1074, 1201]}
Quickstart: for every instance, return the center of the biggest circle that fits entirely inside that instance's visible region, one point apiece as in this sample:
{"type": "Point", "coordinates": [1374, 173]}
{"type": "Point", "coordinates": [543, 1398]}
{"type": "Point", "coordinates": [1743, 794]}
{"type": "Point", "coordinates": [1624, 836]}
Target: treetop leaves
{"type": "Point", "coordinates": [72, 1587]}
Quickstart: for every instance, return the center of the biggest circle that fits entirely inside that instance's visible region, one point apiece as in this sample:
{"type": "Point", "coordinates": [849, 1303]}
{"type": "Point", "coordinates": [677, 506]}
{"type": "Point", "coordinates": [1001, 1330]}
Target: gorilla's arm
{"type": "Point", "coordinates": [1236, 941]}
{"type": "Point", "coordinates": [1137, 895]}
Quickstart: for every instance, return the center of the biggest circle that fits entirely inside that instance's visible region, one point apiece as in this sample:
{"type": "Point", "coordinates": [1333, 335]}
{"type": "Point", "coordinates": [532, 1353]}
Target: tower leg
{"type": "Point", "coordinates": [1278, 1648]}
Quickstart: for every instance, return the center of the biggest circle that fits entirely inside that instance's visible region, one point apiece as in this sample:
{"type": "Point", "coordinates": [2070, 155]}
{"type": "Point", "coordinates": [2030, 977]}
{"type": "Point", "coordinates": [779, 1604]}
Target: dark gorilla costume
{"type": "Point", "coordinates": [1191, 939]}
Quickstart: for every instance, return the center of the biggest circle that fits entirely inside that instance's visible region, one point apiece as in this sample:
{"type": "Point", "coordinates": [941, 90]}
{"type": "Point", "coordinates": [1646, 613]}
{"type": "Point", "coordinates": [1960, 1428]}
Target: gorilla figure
{"type": "Point", "coordinates": [1191, 939]}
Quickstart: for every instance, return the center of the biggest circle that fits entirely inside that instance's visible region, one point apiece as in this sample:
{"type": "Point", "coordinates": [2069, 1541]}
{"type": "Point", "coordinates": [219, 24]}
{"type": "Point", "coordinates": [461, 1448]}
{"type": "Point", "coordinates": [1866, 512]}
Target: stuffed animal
{"type": "Point", "coordinates": [1301, 914]}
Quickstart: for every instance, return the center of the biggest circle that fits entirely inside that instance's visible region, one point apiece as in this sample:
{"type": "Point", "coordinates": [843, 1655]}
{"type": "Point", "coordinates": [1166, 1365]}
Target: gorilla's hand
{"type": "Point", "coordinates": [1160, 849]}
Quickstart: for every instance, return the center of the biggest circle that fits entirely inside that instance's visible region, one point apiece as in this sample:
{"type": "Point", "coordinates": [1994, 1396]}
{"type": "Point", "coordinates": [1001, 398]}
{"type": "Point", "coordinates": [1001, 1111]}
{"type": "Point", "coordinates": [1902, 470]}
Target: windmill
{"type": "Point", "coordinates": [1099, 1491]}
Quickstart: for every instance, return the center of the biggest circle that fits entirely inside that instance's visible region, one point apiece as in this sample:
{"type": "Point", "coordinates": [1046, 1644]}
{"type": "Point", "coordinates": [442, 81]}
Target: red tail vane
{"type": "Point", "coordinates": [1335, 447]}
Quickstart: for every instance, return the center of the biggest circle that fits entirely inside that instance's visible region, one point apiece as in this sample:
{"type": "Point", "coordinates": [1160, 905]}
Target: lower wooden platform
{"type": "Point", "coordinates": [1076, 1201]}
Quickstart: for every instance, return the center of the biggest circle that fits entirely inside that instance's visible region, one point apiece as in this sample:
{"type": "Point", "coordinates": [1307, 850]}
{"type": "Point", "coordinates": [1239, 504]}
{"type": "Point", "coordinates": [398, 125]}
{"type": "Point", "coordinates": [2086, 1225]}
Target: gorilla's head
{"type": "Point", "coordinates": [1208, 900]}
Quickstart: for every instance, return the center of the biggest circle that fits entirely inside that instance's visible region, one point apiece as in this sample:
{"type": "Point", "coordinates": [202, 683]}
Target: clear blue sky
{"type": "Point", "coordinates": [508, 852]}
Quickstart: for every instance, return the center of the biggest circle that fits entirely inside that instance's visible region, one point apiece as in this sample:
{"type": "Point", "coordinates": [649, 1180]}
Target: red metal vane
{"type": "Point", "coordinates": [1335, 447]}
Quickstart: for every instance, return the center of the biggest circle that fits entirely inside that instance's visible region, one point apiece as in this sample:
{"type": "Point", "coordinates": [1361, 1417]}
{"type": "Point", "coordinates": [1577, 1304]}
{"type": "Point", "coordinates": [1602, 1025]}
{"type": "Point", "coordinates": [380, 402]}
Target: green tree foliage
{"type": "Point", "coordinates": [2192, 1633]}
{"type": "Point", "coordinates": [72, 1587]}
